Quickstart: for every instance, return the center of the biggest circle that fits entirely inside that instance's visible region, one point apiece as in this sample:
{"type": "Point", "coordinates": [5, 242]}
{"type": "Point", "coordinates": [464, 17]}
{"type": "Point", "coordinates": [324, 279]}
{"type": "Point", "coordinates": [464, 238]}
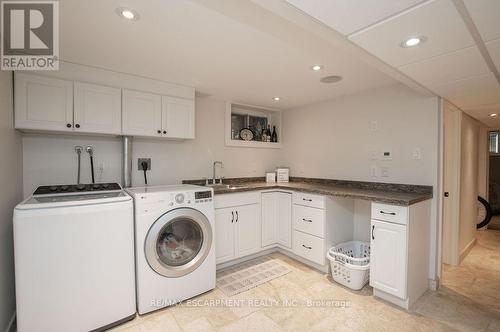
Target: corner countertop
{"type": "Point", "coordinates": [397, 194]}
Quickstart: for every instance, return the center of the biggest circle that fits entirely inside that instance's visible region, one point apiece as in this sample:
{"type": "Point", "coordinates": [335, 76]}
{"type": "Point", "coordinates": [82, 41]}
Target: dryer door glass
{"type": "Point", "coordinates": [179, 242]}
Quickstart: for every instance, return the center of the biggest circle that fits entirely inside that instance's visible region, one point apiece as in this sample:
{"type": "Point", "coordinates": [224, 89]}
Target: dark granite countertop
{"type": "Point", "coordinates": [397, 194]}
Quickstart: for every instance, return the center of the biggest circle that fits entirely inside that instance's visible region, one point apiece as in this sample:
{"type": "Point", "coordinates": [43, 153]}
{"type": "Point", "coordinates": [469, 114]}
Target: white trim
{"type": "Point", "coordinates": [466, 250]}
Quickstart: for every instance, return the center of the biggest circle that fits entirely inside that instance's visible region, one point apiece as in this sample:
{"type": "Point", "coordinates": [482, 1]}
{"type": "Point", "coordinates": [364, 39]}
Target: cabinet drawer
{"type": "Point", "coordinates": [309, 220]}
{"type": "Point", "coordinates": [311, 200]}
{"type": "Point", "coordinates": [309, 247]}
{"type": "Point", "coordinates": [392, 213]}
{"type": "Point", "coordinates": [236, 199]}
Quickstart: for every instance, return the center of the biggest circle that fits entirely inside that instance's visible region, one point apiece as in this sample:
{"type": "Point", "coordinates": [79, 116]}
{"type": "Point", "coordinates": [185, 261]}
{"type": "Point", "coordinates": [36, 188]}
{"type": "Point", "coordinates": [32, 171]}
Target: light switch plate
{"type": "Point", "coordinates": [373, 171]}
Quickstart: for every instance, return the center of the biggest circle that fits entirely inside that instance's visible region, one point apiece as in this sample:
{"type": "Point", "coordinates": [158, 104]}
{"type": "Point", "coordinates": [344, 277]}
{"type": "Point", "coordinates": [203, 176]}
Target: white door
{"type": "Point", "coordinates": [388, 261]}
{"type": "Point", "coordinates": [225, 249]}
{"type": "Point", "coordinates": [141, 114]}
{"type": "Point", "coordinates": [248, 229]}
{"type": "Point", "coordinates": [43, 103]}
{"type": "Point", "coordinates": [284, 219]}
{"type": "Point", "coordinates": [177, 117]}
{"type": "Point", "coordinates": [97, 109]}
{"type": "Point", "coordinates": [269, 218]}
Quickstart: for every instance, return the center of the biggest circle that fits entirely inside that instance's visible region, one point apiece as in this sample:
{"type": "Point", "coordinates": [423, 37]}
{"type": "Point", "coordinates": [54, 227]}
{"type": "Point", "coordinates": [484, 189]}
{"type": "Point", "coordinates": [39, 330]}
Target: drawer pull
{"type": "Point", "coordinates": [390, 213]}
{"type": "Point", "coordinates": [307, 220]}
{"type": "Point", "coordinates": [232, 219]}
{"type": "Point", "coordinates": [373, 232]}
{"type": "Point", "coordinates": [307, 199]}
{"type": "Point", "coordinates": [307, 247]}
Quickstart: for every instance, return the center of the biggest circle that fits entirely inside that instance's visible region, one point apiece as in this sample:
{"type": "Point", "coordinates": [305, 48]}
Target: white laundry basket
{"type": "Point", "coordinates": [350, 263]}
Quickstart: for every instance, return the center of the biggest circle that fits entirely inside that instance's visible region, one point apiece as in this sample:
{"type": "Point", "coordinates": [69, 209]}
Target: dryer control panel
{"type": "Point", "coordinates": [203, 196]}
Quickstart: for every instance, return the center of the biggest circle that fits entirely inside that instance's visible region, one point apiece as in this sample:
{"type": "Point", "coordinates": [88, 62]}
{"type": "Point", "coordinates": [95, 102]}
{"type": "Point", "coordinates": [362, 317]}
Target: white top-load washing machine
{"type": "Point", "coordinates": [74, 258]}
{"type": "Point", "coordinates": [175, 249]}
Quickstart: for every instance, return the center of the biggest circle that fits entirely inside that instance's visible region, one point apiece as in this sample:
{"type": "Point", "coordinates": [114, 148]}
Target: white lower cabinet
{"type": "Point", "coordinates": [399, 249]}
{"type": "Point", "coordinates": [277, 219]}
{"type": "Point", "coordinates": [237, 227]}
{"type": "Point", "coordinates": [388, 249]}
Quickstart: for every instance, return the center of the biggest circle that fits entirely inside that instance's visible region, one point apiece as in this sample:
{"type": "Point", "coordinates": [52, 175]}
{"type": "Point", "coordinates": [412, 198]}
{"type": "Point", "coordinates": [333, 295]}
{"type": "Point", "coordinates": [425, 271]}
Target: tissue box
{"type": "Point", "coordinates": [282, 174]}
{"type": "Point", "coordinates": [271, 177]}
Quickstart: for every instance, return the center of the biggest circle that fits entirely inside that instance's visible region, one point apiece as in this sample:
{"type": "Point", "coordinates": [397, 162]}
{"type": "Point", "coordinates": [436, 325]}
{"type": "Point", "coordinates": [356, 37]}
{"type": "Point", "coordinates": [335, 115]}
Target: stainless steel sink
{"type": "Point", "coordinates": [223, 186]}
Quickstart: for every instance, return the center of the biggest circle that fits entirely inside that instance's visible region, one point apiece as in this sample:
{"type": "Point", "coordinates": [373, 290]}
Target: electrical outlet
{"type": "Point", "coordinates": [417, 154]}
{"type": "Point", "coordinates": [139, 163]}
{"type": "Point", "coordinates": [374, 171]}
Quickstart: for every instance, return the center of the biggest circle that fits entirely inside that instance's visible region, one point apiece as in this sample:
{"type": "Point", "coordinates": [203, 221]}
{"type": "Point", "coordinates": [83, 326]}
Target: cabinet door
{"type": "Point", "coordinates": [225, 249]}
{"type": "Point", "coordinates": [248, 229]}
{"type": "Point", "coordinates": [284, 219]}
{"type": "Point", "coordinates": [178, 117]}
{"type": "Point", "coordinates": [141, 114]}
{"type": "Point", "coordinates": [97, 109]}
{"type": "Point", "coordinates": [388, 261]}
{"type": "Point", "coordinates": [43, 103]}
{"type": "Point", "coordinates": [269, 218]}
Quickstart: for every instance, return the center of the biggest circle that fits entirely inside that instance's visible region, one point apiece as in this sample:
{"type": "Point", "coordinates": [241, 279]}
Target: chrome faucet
{"type": "Point", "coordinates": [214, 168]}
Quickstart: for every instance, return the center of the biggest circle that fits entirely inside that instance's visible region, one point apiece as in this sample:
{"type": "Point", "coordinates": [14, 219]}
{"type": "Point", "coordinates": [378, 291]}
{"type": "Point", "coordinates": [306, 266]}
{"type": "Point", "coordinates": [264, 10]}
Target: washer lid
{"type": "Point", "coordinates": [65, 200]}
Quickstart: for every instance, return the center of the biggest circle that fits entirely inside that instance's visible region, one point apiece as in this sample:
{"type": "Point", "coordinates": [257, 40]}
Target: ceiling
{"type": "Point", "coordinates": [232, 50]}
{"type": "Point", "coordinates": [460, 60]}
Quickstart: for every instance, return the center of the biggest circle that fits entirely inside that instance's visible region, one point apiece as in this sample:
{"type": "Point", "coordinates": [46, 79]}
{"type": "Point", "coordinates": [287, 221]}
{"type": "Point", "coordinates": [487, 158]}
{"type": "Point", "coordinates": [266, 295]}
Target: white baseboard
{"type": "Point", "coordinates": [11, 327]}
{"type": "Point", "coordinates": [466, 250]}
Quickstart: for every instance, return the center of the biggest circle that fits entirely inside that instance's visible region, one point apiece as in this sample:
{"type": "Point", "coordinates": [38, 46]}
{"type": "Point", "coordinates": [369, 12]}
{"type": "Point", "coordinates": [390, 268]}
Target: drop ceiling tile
{"type": "Point", "coordinates": [472, 92]}
{"type": "Point", "coordinates": [494, 50]}
{"type": "Point", "coordinates": [482, 113]}
{"type": "Point", "coordinates": [347, 16]}
{"type": "Point", "coordinates": [437, 20]}
{"type": "Point", "coordinates": [458, 65]}
{"type": "Point", "coordinates": [486, 17]}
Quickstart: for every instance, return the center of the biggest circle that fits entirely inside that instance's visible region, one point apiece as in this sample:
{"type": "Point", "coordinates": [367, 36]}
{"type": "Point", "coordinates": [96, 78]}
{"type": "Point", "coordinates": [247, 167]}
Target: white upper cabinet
{"type": "Point", "coordinates": [178, 117]}
{"type": "Point", "coordinates": [141, 114]}
{"type": "Point", "coordinates": [97, 109]}
{"type": "Point", "coordinates": [43, 103]}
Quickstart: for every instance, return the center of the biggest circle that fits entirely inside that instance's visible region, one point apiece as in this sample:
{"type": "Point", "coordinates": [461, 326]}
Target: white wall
{"type": "Point", "coordinates": [334, 139]}
{"type": "Point", "coordinates": [50, 159]}
{"type": "Point", "coordinates": [11, 180]}
{"type": "Point", "coordinates": [470, 129]}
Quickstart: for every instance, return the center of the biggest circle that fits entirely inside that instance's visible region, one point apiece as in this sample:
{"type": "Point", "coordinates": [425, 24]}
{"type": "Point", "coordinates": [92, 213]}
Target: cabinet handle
{"type": "Point", "coordinates": [237, 216]}
{"type": "Point", "coordinates": [159, 131]}
{"type": "Point", "coordinates": [390, 213]}
{"type": "Point", "coordinates": [307, 199]}
{"type": "Point", "coordinates": [373, 232]}
{"type": "Point", "coordinates": [307, 220]}
{"type": "Point", "coordinates": [69, 125]}
{"type": "Point", "coordinates": [77, 125]}
{"type": "Point", "coordinates": [307, 247]}
{"type": "Point", "coordinates": [164, 131]}
{"type": "Point", "coordinates": [232, 219]}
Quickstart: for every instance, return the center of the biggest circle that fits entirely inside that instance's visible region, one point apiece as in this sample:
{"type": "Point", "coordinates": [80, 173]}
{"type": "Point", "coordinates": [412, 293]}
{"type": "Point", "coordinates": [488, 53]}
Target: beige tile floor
{"type": "Point", "coordinates": [445, 310]}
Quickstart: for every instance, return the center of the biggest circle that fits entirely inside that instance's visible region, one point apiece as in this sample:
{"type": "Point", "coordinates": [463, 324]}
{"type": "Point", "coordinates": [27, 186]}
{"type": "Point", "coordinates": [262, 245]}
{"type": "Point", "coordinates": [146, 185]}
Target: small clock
{"type": "Point", "coordinates": [246, 134]}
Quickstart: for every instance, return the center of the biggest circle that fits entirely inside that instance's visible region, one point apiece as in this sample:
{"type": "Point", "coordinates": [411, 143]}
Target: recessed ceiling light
{"type": "Point", "coordinates": [331, 79]}
{"type": "Point", "coordinates": [127, 13]}
{"type": "Point", "coordinates": [317, 67]}
{"type": "Point", "coordinates": [493, 115]}
{"type": "Point", "coordinates": [413, 41]}
{"type": "Point", "coordinates": [276, 98]}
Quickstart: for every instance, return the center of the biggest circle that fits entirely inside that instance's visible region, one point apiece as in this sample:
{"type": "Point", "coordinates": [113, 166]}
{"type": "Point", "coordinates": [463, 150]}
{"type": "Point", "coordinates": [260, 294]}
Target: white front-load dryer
{"type": "Point", "coordinates": [175, 246]}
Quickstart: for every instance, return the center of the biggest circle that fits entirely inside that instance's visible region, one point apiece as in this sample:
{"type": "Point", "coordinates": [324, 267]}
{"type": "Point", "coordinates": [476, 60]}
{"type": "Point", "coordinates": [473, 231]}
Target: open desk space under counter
{"type": "Point", "coordinates": [305, 217]}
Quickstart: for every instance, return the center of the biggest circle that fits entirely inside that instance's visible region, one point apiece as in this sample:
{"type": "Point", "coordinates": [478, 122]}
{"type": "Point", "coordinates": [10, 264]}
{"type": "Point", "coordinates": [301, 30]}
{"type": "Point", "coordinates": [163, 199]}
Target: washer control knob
{"type": "Point", "coordinates": [179, 198]}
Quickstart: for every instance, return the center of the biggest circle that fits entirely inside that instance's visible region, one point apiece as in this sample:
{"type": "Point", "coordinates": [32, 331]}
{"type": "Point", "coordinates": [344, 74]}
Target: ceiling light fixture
{"type": "Point", "coordinates": [317, 67]}
{"type": "Point", "coordinates": [276, 98]}
{"type": "Point", "coordinates": [413, 41]}
{"type": "Point", "coordinates": [493, 115]}
{"type": "Point", "coordinates": [331, 79]}
{"type": "Point", "coordinates": [127, 13]}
